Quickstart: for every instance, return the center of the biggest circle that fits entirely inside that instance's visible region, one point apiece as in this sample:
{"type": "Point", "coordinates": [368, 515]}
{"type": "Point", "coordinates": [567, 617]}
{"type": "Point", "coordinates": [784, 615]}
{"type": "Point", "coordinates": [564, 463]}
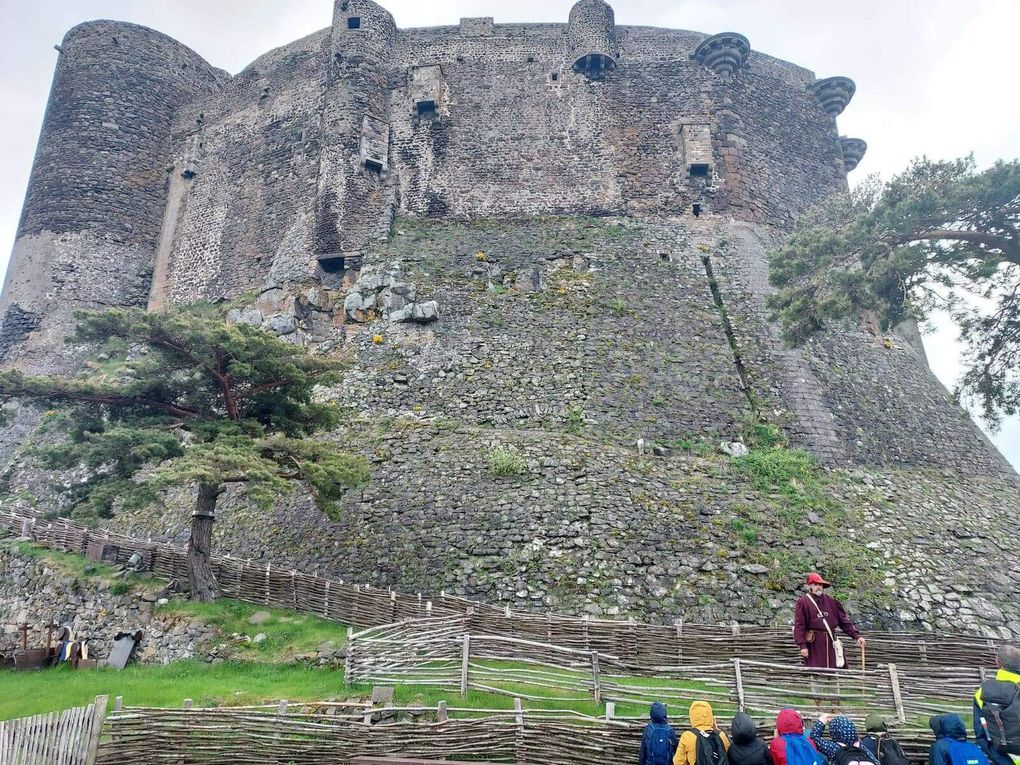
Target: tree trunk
{"type": "Point", "coordinates": [200, 574]}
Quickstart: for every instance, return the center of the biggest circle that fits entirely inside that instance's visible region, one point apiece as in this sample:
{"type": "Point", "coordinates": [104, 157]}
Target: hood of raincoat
{"type": "Point", "coordinates": [658, 712]}
{"type": "Point", "coordinates": [789, 721]}
{"type": "Point", "coordinates": [875, 723]}
{"type": "Point", "coordinates": [743, 730]}
{"type": "Point", "coordinates": [948, 726]}
{"type": "Point", "coordinates": [843, 730]}
{"type": "Point", "coordinates": [701, 716]}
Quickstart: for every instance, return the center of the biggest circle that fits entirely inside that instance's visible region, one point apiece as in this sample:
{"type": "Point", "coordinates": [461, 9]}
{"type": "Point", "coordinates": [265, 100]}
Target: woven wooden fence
{"type": "Point", "coordinates": [324, 732]}
{"type": "Point", "coordinates": [441, 652]}
{"type": "Point", "coordinates": [70, 737]}
{"type": "Point", "coordinates": [631, 641]}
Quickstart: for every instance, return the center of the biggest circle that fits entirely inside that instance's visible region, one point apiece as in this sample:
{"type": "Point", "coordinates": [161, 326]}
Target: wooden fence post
{"type": "Point", "coordinates": [325, 602]}
{"type": "Point", "coordinates": [268, 567]}
{"type": "Point", "coordinates": [894, 681]}
{"type": "Point", "coordinates": [98, 715]}
{"type": "Point", "coordinates": [465, 656]}
{"type": "Point", "coordinates": [281, 712]}
{"type": "Point", "coordinates": [679, 625]}
{"type": "Point", "coordinates": [739, 679]}
{"type": "Point", "coordinates": [610, 710]}
{"type": "Point", "coordinates": [348, 650]}
{"type": "Point", "coordinates": [519, 749]}
{"type": "Point", "coordinates": [441, 714]}
{"type": "Point", "coordinates": [595, 677]}
{"type": "Point", "coordinates": [118, 703]}
{"type": "Point", "coordinates": [293, 588]}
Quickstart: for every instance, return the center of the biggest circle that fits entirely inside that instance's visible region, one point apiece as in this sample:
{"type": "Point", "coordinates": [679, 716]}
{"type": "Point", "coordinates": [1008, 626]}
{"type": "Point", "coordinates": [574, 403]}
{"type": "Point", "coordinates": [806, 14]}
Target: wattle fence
{"type": "Point", "coordinates": [313, 733]}
{"type": "Point", "coordinates": [70, 737]}
{"type": "Point", "coordinates": [364, 606]}
{"type": "Point", "coordinates": [443, 653]}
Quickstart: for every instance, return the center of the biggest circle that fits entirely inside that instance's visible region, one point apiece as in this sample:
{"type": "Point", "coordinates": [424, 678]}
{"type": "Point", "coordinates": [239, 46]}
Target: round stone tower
{"type": "Point", "coordinates": [362, 29]}
{"type": "Point", "coordinates": [97, 189]}
{"type": "Point", "coordinates": [591, 31]}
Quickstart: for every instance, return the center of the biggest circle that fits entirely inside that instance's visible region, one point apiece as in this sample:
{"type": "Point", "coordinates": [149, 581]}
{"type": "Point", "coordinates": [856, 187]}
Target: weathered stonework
{"type": "Point", "coordinates": [36, 591]}
{"type": "Point", "coordinates": [547, 236]}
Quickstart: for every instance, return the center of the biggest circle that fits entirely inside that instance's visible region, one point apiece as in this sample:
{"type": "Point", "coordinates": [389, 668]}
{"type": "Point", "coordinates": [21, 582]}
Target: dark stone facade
{"type": "Point", "coordinates": [586, 206]}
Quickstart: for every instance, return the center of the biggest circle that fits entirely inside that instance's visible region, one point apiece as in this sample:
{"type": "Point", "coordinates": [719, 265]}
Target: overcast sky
{"type": "Point", "coordinates": [935, 77]}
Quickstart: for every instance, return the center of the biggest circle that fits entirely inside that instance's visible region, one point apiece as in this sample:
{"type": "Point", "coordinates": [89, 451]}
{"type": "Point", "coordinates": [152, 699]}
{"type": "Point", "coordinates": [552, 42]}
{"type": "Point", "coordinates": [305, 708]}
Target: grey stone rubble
{"type": "Point", "coordinates": [36, 592]}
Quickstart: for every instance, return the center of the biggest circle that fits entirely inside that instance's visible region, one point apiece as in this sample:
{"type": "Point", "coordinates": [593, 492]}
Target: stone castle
{"type": "Point", "coordinates": [544, 237]}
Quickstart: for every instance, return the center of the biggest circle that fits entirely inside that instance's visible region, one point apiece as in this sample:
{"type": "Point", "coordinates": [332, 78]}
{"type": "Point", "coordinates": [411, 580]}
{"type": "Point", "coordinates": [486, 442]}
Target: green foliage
{"type": "Point", "coordinates": [772, 469]}
{"type": "Point", "coordinates": [618, 306]}
{"type": "Point", "coordinates": [207, 402]}
{"type": "Point", "coordinates": [759, 434]}
{"type": "Point", "coordinates": [938, 236]}
{"type": "Point", "coordinates": [575, 419]}
{"type": "Point", "coordinates": [507, 461]}
{"type": "Point", "coordinates": [120, 588]}
{"type": "Point", "coordinates": [696, 445]}
{"type": "Point", "coordinates": [288, 634]}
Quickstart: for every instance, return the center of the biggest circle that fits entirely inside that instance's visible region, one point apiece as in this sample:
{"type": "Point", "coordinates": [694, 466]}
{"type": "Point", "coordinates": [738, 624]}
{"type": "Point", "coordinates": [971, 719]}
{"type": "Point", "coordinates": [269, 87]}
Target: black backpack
{"type": "Point", "coordinates": [1000, 708]}
{"type": "Point", "coordinates": [851, 755]}
{"type": "Point", "coordinates": [710, 749]}
{"type": "Point", "coordinates": [889, 751]}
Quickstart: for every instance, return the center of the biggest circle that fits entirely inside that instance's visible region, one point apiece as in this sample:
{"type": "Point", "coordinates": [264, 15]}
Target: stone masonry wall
{"type": "Point", "coordinates": [96, 194]}
{"type": "Point", "coordinates": [515, 131]}
{"type": "Point", "coordinates": [38, 591]}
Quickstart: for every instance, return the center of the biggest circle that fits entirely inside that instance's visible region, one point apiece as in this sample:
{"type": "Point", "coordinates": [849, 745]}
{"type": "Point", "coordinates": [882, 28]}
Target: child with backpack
{"type": "Point", "coordinates": [746, 747]}
{"type": "Point", "coordinates": [659, 741]}
{"type": "Point", "coordinates": [844, 748]}
{"type": "Point", "coordinates": [880, 744]}
{"type": "Point", "coordinates": [704, 744]}
{"type": "Point", "coordinates": [951, 746]}
{"type": "Point", "coordinates": [790, 746]}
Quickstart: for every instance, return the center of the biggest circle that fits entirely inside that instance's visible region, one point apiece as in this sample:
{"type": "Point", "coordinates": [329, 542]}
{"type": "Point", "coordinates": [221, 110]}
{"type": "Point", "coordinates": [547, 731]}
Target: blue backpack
{"type": "Point", "coordinates": [964, 752]}
{"type": "Point", "coordinates": [660, 744]}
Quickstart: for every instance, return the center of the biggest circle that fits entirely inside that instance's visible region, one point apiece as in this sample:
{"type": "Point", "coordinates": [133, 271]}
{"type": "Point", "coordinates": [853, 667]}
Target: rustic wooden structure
{"type": "Point", "coordinates": [70, 737]}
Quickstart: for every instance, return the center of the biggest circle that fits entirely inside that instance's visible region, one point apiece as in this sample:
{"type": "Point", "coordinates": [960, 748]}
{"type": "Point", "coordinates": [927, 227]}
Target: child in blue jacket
{"type": "Point", "coordinates": [659, 741]}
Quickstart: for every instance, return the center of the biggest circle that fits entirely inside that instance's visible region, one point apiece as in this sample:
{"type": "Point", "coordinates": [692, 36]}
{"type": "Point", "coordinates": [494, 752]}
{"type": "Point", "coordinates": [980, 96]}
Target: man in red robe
{"type": "Point", "coordinates": [812, 613]}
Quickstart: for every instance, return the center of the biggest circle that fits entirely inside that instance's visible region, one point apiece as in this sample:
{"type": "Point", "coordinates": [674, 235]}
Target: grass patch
{"type": "Point", "coordinates": [288, 634]}
{"type": "Point", "coordinates": [575, 420]}
{"type": "Point", "coordinates": [507, 461]}
{"type": "Point", "coordinates": [239, 683]}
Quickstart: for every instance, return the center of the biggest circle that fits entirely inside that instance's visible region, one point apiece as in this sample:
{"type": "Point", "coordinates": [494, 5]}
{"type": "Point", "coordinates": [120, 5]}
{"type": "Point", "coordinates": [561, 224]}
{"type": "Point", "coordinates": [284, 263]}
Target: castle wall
{"type": "Point", "coordinates": [512, 130]}
{"type": "Point", "coordinates": [96, 192]}
{"type": "Point", "coordinates": [248, 214]}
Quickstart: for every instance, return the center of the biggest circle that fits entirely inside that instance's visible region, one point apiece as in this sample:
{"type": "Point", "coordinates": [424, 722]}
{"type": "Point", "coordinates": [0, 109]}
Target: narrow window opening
{"type": "Point", "coordinates": [426, 108]}
{"type": "Point", "coordinates": [699, 170]}
{"type": "Point", "coordinates": [460, 59]}
{"type": "Point", "coordinates": [373, 166]}
{"type": "Point", "coordinates": [696, 209]}
{"type": "Point", "coordinates": [531, 59]}
{"type": "Point", "coordinates": [354, 22]}
{"type": "Point", "coordinates": [555, 76]}
{"type": "Point", "coordinates": [332, 264]}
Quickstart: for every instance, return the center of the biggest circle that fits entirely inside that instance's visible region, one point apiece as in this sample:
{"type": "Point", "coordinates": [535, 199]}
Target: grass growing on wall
{"type": "Point", "coordinates": [287, 633]}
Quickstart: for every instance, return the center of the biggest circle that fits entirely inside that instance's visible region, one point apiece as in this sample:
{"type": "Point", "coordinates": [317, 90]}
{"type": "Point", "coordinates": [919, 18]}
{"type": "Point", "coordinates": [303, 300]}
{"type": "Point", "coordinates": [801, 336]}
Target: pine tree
{"type": "Point", "coordinates": [940, 236]}
{"type": "Point", "coordinates": [204, 403]}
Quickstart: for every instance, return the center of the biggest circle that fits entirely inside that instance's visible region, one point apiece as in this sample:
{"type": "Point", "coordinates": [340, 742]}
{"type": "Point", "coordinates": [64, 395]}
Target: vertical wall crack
{"type": "Point", "coordinates": [731, 338]}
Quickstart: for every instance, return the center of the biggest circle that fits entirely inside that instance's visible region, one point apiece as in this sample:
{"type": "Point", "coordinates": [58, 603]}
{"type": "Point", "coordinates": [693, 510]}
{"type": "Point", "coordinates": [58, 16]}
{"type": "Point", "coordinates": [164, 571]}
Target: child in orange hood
{"type": "Point", "coordinates": [704, 733]}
